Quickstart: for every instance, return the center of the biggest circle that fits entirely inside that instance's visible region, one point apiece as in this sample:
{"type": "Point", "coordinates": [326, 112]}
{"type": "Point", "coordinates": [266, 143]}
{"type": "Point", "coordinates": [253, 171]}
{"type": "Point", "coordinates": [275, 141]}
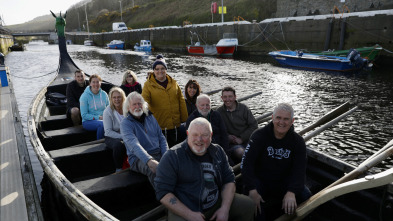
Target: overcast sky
{"type": "Point", "coordinates": [20, 11]}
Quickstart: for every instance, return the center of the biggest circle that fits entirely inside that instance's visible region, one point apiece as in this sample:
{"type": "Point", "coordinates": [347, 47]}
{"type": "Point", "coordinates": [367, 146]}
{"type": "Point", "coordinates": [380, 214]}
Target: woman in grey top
{"type": "Point", "coordinates": [113, 115]}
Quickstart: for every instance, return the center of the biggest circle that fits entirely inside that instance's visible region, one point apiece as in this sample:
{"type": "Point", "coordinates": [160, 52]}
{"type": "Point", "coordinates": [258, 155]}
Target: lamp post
{"type": "Point", "coordinates": [222, 11]}
{"type": "Point", "coordinates": [121, 14]}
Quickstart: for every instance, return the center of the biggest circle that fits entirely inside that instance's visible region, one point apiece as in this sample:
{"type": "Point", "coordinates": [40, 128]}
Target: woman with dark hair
{"type": "Point", "coordinates": [93, 102]}
{"type": "Point", "coordinates": [192, 91]}
{"type": "Point", "coordinates": [130, 83]}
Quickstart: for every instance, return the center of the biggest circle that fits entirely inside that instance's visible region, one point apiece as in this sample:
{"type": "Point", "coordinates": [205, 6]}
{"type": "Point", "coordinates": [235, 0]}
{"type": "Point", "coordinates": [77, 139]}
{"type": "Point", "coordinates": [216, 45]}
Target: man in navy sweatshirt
{"type": "Point", "coordinates": [274, 166]}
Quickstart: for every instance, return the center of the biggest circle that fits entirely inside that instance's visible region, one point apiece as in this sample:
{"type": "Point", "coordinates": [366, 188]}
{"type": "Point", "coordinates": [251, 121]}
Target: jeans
{"type": "Point", "coordinates": [95, 125]}
{"type": "Point", "coordinates": [143, 168]}
{"type": "Point", "coordinates": [118, 150]}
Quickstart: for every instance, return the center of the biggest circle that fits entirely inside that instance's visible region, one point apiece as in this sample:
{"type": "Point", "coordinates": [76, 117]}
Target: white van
{"type": "Point", "coordinates": [119, 26]}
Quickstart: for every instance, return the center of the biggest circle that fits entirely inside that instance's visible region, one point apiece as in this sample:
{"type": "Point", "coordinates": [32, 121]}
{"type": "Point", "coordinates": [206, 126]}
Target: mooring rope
{"type": "Point", "coordinates": [24, 77]}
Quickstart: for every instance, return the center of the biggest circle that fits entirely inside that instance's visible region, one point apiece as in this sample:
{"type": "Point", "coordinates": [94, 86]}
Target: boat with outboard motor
{"type": "Point", "coordinates": [369, 53]}
{"type": "Point", "coordinates": [80, 183]}
{"type": "Point", "coordinates": [352, 62]}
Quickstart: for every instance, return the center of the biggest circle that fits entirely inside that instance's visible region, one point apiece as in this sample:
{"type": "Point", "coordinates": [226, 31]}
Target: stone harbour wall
{"type": "Point", "coordinates": [290, 8]}
{"type": "Point", "coordinates": [259, 38]}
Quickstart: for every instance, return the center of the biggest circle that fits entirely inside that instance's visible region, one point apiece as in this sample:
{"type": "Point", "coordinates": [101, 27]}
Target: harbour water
{"type": "Point", "coordinates": [311, 93]}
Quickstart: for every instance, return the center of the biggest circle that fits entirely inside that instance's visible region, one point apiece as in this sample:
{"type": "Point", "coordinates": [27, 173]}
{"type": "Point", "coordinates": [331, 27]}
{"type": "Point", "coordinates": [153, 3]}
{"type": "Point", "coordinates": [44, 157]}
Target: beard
{"type": "Point", "coordinates": [137, 112]}
{"type": "Point", "coordinates": [204, 113]}
{"type": "Point", "coordinates": [198, 152]}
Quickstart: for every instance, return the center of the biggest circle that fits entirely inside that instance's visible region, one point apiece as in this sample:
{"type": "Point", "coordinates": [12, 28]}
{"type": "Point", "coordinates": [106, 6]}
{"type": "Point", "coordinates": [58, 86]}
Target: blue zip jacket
{"type": "Point", "coordinates": [142, 140]}
{"type": "Point", "coordinates": [92, 106]}
{"type": "Point", "coordinates": [180, 173]}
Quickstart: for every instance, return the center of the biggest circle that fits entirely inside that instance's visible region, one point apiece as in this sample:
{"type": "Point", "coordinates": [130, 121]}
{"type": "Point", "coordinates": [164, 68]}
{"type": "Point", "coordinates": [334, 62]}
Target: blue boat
{"type": "Point", "coordinates": [116, 44]}
{"type": "Point", "coordinates": [145, 45]}
{"type": "Point", "coordinates": [352, 62]}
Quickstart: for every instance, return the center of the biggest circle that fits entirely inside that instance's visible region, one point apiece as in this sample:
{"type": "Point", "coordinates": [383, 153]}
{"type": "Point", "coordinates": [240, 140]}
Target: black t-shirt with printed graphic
{"type": "Point", "coordinates": [211, 192]}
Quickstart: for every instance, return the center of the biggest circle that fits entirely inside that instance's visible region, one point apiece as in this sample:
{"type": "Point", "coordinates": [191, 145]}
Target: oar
{"type": "Point", "coordinates": [329, 124]}
{"type": "Point", "coordinates": [213, 92]}
{"type": "Point", "coordinates": [156, 212]}
{"type": "Point", "coordinates": [361, 169]}
{"type": "Point", "coordinates": [332, 114]}
{"type": "Point", "coordinates": [242, 99]}
{"type": "Point", "coordinates": [368, 182]}
{"type": "Point", "coordinates": [264, 117]}
{"type": "Point", "coordinates": [249, 96]}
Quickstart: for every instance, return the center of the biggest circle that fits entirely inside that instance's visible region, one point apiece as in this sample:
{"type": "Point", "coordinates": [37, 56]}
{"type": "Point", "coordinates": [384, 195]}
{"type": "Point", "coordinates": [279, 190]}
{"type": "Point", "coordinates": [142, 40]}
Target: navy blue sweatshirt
{"type": "Point", "coordinates": [275, 161]}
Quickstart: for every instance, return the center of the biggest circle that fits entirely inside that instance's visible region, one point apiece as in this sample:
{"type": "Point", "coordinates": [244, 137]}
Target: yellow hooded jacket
{"type": "Point", "coordinates": [167, 104]}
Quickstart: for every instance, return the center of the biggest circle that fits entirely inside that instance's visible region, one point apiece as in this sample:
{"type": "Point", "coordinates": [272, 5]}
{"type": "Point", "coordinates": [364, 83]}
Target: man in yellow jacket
{"type": "Point", "coordinates": [166, 101]}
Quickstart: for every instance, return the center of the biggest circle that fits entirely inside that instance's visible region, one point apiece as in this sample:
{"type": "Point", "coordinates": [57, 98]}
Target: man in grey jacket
{"type": "Point", "coordinates": [239, 122]}
{"type": "Point", "coordinates": [195, 182]}
{"type": "Point", "coordinates": [142, 136]}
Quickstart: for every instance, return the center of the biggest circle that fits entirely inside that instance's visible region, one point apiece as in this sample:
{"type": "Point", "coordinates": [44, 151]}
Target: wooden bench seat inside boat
{"type": "Point", "coordinates": [57, 110]}
{"type": "Point", "coordinates": [66, 137]}
{"type": "Point", "coordinates": [124, 188]}
{"type": "Point", "coordinates": [84, 161]}
{"type": "Point", "coordinates": [55, 122]}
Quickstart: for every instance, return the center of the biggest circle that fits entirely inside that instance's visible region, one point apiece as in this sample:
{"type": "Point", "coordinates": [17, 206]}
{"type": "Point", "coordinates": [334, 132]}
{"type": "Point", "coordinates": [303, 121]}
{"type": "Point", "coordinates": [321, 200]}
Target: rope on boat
{"type": "Point", "coordinates": [283, 37]}
{"type": "Point", "coordinates": [24, 77]}
{"type": "Point", "coordinates": [387, 50]}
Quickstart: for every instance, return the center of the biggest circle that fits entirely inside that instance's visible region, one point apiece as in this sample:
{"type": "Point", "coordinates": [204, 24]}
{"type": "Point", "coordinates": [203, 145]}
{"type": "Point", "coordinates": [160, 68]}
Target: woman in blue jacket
{"type": "Point", "coordinates": [92, 105]}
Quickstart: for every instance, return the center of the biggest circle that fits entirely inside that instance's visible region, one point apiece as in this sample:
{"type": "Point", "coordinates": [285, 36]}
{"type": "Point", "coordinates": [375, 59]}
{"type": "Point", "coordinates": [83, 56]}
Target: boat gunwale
{"type": "Point", "coordinates": [73, 196]}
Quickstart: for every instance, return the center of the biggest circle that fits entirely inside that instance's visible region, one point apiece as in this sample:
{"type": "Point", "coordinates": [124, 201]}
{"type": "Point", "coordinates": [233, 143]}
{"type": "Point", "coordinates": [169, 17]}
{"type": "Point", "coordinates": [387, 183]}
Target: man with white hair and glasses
{"type": "Point", "coordinates": [142, 136]}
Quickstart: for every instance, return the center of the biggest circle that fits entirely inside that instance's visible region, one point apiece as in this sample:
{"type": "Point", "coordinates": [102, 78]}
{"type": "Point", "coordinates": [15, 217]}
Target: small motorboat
{"type": "Point", "coordinates": [88, 42]}
{"type": "Point", "coordinates": [116, 44]}
{"type": "Point", "coordinates": [227, 45]}
{"type": "Point", "coordinates": [351, 62]}
{"type": "Point", "coordinates": [198, 49]}
{"type": "Point", "coordinates": [17, 47]}
{"type": "Point", "coordinates": [224, 47]}
{"type": "Point", "coordinates": [144, 45]}
{"type": "Point", "coordinates": [369, 53]}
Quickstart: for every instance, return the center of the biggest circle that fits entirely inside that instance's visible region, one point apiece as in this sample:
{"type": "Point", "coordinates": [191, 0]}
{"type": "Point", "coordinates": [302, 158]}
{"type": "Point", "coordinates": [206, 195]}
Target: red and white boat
{"type": "Point", "coordinates": [225, 47]}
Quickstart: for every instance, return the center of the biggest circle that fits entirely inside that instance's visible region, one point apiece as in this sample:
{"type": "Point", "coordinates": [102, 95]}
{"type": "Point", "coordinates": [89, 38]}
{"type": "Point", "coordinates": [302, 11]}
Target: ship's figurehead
{"type": "Point", "coordinates": [60, 24]}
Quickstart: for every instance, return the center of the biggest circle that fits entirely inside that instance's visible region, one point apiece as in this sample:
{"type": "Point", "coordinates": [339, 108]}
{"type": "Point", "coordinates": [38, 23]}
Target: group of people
{"type": "Point", "coordinates": [192, 173]}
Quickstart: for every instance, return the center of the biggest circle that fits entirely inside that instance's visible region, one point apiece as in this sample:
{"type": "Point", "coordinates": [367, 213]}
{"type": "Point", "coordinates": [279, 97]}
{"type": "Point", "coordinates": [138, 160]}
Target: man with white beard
{"type": "Point", "coordinates": [142, 136]}
{"type": "Point", "coordinates": [204, 110]}
{"type": "Point", "coordinates": [195, 181]}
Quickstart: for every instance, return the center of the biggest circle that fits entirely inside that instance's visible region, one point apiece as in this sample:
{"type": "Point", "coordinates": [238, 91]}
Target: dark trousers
{"type": "Point", "coordinates": [242, 209]}
{"type": "Point", "coordinates": [273, 196]}
{"type": "Point", "coordinates": [173, 136]}
{"type": "Point", "coordinates": [118, 150]}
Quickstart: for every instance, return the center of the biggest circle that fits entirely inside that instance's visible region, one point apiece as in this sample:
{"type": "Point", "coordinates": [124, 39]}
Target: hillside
{"type": "Point", "coordinates": [40, 24]}
{"type": "Point", "coordinates": [157, 13]}
{"type": "Point", "coordinates": [102, 13]}
{"type": "Point", "coordinates": [146, 13]}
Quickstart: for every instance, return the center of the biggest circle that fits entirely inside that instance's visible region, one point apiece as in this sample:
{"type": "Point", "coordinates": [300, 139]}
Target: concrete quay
{"type": "Point", "coordinates": [304, 32]}
{"type": "Point", "coordinates": [19, 199]}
